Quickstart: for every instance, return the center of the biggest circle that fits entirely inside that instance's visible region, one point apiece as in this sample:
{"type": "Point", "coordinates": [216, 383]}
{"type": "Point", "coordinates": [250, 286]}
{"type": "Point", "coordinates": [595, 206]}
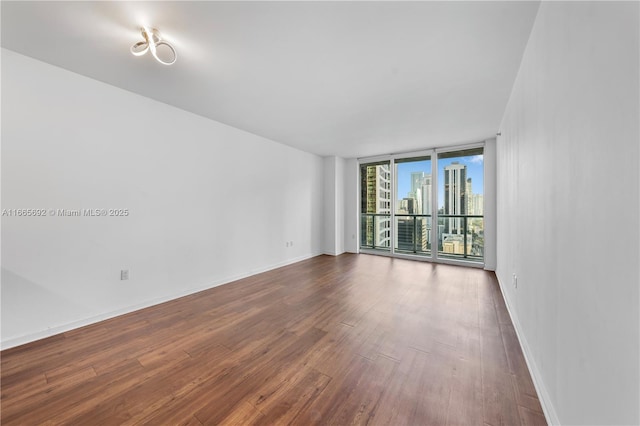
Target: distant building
{"type": "Point", "coordinates": [469, 192]}
{"type": "Point", "coordinates": [454, 244]}
{"type": "Point", "coordinates": [405, 237]}
{"type": "Point", "coordinates": [427, 203]}
{"type": "Point", "coordinates": [476, 203]}
{"type": "Point", "coordinates": [409, 204]}
{"type": "Point", "coordinates": [455, 200]}
{"type": "Point", "coordinates": [413, 233]}
{"type": "Point", "coordinates": [416, 182]}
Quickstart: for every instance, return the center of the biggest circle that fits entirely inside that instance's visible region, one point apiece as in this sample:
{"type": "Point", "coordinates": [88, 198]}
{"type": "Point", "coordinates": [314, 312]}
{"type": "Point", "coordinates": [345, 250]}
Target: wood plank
{"type": "Point", "coordinates": [466, 402]}
{"type": "Point", "coordinates": [263, 370]}
{"type": "Point", "coordinates": [244, 414]}
{"type": "Point", "coordinates": [500, 406]}
{"type": "Point", "coordinates": [334, 395]}
{"type": "Point", "coordinates": [285, 405]}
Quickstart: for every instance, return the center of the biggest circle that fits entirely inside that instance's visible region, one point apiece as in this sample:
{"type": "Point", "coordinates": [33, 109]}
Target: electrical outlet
{"type": "Point", "coordinates": [515, 281]}
{"type": "Point", "coordinates": [290, 243]}
{"type": "Point", "coordinates": [124, 274]}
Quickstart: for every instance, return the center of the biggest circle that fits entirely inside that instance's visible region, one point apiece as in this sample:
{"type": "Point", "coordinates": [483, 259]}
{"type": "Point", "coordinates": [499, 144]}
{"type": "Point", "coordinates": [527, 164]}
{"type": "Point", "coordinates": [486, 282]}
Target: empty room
{"type": "Point", "coordinates": [320, 212]}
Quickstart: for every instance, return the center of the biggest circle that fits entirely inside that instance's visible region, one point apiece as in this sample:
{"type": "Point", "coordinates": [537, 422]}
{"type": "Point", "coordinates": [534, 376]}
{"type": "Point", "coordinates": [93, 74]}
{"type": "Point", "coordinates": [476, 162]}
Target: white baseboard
{"type": "Point", "coordinates": [543, 395]}
{"type": "Point", "coordinates": [334, 253]}
{"type": "Point", "coordinates": [52, 331]}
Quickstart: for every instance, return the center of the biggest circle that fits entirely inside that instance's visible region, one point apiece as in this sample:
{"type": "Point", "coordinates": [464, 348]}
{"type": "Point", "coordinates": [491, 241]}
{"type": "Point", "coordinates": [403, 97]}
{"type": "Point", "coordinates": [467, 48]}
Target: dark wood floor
{"type": "Point", "coordinates": [331, 340]}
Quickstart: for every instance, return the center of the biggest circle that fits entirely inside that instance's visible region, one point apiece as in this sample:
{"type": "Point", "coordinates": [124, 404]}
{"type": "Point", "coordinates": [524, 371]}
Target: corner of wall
{"type": "Point", "coordinates": [350, 206]}
{"type": "Point", "coordinates": [490, 205]}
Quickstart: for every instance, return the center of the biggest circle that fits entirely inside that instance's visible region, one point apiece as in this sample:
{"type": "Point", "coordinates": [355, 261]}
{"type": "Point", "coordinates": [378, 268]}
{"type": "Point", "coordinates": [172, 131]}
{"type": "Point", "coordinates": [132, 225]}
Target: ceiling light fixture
{"type": "Point", "coordinates": [152, 41]}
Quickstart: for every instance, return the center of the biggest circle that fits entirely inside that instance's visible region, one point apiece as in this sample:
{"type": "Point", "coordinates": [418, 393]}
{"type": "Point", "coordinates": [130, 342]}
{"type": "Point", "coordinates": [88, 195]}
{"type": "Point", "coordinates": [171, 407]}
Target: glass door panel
{"type": "Point", "coordinates": [412, 218]}
{"type": "Point", "coordinates": [375, 206]}
{"type": "Point", "coordinates": [460, 221]}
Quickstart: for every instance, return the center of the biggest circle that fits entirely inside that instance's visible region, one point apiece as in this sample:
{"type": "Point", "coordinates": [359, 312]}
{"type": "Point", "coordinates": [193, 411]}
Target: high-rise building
{"type": "Point", "coordinates": [413, 233]}
{"type": "Point", "coordinates": [426, 194]}
{"type": "Point", "coordinates": [378, 201]}
{"type": "Point", "coordinates": [455, 200]}
{"type": "Point", "coordinates": [416, 182]}
{"type": "Point", "coordinates": [416, 191]}
{"type": "Point", "coordinates": [409, 204]}
{"type": "Point", "coordinates": [469, 192]}
{"type": "Point", "coordinates": [476, 204]}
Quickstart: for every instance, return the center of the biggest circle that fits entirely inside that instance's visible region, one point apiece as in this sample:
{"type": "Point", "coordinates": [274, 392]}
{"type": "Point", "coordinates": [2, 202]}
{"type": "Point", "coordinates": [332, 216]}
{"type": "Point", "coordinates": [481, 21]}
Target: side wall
{"type": "Point", "coordinates": [490, 171]}
{"type": "Point", "coordinates": [207, 203]}
{"type": "Point", "coordinates": [329, 200]}
{"type": "Point", "coordinates": [351, 207]}
{"type": "Point", "coordinates": [334, 205]}
{"type": "Point", "coordinates": [568, 210]}
{"type": "Point", "coordinates": [340, 205]}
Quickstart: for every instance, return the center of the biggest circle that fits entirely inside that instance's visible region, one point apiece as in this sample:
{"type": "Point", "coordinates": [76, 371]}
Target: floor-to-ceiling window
{"type": "Point", "coordinates": [413, 206]}
{"type": "Point", "coordinates": [375, 206]}
{"type": "Point", "coordinates": [429, 205]}
{"type": "Point", "coordinates": [461, 204]}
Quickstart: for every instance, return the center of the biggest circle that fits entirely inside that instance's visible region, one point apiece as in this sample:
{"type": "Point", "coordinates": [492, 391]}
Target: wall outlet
{"type": "Point", "coordinates": [515, 281]}
{"type": "Point", "coordinates": [124, 274]}
{"type": "Point", "coordinates": [290, 243]}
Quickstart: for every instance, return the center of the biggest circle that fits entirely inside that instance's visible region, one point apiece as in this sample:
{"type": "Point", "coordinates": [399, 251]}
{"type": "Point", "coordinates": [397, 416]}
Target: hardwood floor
{"type": "Point", "coordinates": [331, 340]}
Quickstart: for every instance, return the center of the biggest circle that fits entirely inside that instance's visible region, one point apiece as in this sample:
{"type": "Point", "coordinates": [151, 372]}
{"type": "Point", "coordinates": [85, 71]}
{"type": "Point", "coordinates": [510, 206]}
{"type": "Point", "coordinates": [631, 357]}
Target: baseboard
{"type": "Point", "coordinates": [31, 337]}
{"type": "Point", "coordinates": [543, 395]}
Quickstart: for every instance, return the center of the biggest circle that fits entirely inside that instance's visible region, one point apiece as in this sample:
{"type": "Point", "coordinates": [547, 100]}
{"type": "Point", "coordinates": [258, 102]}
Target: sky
{"type": "Point", "coordinates": [475, 167]}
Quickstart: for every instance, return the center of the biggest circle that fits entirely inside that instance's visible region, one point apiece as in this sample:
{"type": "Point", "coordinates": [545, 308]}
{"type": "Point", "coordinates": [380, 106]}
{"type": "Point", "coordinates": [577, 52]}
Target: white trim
{"type": "Point", "coordinates": [543, 395]}
{"type": "Point", "coordinates": [376, 159]}
{"type": "Point", "coordinates": [414, 154]}
{"type": "Point", "coordinates": [409, 154]}
{"type": "Point", "coordinates": [461, 262]}
{"type": "Point", "coordinates": [52, 331]}
{"type": "Point", "coordinates": [480, 144]}
{"type": "Point", "coordinates": [428, 259]}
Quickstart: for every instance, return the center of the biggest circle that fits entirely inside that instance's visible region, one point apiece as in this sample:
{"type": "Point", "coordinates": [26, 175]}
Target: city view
{"type": "Point", "coordinates": [460, 205]}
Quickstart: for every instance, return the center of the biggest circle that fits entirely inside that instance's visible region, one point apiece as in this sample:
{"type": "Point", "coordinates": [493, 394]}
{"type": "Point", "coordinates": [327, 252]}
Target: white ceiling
{"type": "Point", "coordinates": [351, 79]}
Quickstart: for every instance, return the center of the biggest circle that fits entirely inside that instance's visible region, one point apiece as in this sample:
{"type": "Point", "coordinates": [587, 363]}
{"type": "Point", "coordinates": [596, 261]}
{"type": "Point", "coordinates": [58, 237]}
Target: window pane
{"type": "Point", "coordinates": [413, 205]}
{"type": "Point", "coordinates": [375, 208]}
{"type": "Point", "coordinates": [461, 204]}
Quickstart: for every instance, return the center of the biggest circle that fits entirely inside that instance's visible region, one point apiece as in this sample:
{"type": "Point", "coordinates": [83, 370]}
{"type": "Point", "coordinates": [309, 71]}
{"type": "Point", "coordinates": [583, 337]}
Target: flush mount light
{"type": "Point", "coordinates": [152, 41]}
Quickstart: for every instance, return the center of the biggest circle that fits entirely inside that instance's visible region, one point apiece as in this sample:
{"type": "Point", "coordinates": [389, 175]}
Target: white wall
{"type": "Point", "coordinates": [339, 212]}
{"type": "Point", "coordinates": [490, 250]}
{"type": "Point", "coordinates": [330, 205]}
{"type": "Point", "coordinates": [568, 211]}
{"type": "Point", "coordinates": [351, 207]}
{"type": "Point", "coordinates": [334, 205]}
{"type": "Point", "coordinates": [208, 203]}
